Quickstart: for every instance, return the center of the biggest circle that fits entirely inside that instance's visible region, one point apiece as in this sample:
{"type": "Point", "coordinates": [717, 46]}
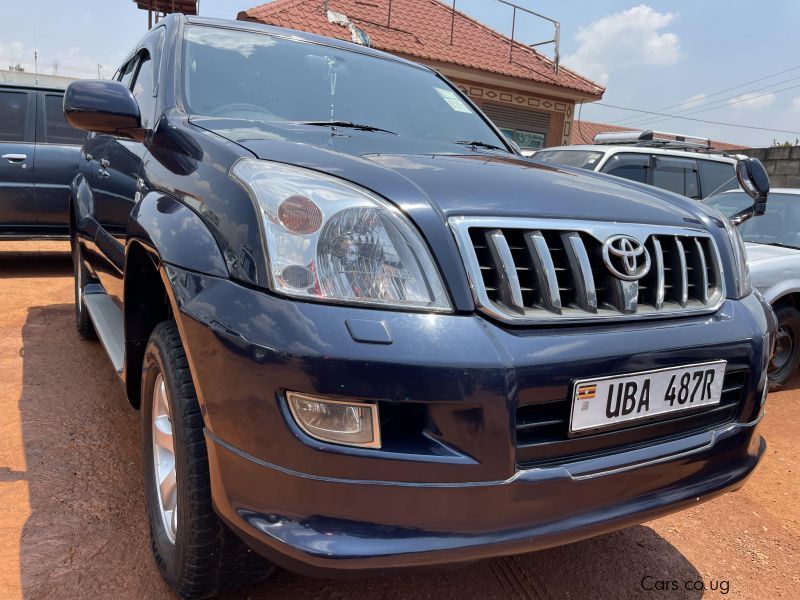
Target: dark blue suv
{"type": "Point", "coordinates": [365, 334]}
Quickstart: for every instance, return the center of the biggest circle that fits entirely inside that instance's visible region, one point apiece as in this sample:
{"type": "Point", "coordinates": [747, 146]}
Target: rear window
{"type": "Point", "coordinates": [13, 116]}
{"type": "Point", "coordinates": [56, 128]}
{"type": "Point", "coordinates": [583, 159]}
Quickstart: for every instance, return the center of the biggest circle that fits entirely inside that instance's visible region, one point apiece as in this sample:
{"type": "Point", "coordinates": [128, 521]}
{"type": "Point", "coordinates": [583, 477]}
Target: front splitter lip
{"type": "Point", "coordinates": [326, 538]}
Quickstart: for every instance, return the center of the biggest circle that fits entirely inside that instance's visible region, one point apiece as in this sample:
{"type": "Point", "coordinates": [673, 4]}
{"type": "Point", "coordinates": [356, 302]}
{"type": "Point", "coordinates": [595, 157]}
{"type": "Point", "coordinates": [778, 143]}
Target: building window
{"type": "Point", "coordinates": [528, 128]}
{"type": "Point", "coordinates": [527, 140]}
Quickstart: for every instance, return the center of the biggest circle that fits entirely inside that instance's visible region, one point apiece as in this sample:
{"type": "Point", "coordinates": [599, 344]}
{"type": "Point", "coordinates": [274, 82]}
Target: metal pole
{"type": "Point", "coordinates": [389, 18]}
{"type": "Point", "coordinates": [149, 14]}
{"type": "Point", "coordinates": [513, 29]}
{"type": "Point", "coordinates": [453, 22]}
{"type": "Point", "coordinates": [558, 45]}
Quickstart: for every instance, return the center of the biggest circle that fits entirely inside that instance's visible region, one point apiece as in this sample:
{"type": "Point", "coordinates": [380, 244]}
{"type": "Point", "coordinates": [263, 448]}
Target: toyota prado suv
{"type": "Point", "coordinates": [364, 334]}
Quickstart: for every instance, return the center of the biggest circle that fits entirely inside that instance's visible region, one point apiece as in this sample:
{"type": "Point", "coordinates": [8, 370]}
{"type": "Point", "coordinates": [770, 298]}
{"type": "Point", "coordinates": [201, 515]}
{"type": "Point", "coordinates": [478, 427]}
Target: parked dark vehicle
{"type": "Point", "coordinates": [364, 334]}
{"type": "Point", "coordinates": [39, 154]}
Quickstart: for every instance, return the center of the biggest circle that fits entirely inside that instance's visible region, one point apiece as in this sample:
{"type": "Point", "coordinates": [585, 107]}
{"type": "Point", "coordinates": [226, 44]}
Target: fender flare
{"type": "Point", "coordinates": [161, 231]}
{"type": "Point", "coordinates": [177, 234]}
{"type": "Point", "coordinates": [780, 291]}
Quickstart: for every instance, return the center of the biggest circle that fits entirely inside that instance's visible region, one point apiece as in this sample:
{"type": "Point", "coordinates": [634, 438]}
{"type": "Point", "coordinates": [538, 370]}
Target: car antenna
{"type": "Point", "coordinates": [332, 66]}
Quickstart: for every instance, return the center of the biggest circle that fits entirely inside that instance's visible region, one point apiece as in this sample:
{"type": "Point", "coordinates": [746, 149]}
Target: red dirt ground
{"type": "Point", "coordinates": [72, 523]}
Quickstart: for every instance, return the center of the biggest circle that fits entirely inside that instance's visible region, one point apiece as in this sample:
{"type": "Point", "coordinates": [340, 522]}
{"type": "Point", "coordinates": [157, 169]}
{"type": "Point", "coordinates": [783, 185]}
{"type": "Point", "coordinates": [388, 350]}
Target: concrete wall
{"type": "Point", "coordinates": [782, 163]}
{"type": "Point", "coordinates": [29, 78]}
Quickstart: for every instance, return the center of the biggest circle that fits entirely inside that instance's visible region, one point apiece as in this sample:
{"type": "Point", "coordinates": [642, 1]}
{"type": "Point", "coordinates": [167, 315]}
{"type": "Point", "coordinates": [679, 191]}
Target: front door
{"type": "Point", "coordinates": [115, 183]}
{"type": "Point", "coordinates": [17, 147]}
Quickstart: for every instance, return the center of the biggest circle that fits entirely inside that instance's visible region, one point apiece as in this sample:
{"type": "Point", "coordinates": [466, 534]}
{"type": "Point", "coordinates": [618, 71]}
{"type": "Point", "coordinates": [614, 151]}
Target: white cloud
{"type": "Point", "coordinates": [71, 62]}
{"type": "Point", "coordinates": [693, 101]}
{"type": "Point", "coordinates": [796, 104]}
{"type": "Point", "coordinates": [754, 101]}
{"type": "Point", "coordinates": [625, 39]}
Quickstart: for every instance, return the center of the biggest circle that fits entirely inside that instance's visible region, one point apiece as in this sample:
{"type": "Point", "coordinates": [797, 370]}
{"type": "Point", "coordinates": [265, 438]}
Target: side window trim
{"type": "Point", "coordinates": [39, 123]}
{"type": "Point", "coordinates": [140, 60]}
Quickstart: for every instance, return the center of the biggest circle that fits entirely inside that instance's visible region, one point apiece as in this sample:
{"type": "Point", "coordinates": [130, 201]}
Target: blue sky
{"type": "Point", "coordinates": [650, 55]}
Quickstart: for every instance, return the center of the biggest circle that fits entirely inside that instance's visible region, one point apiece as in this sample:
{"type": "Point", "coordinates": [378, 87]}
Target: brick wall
{"type": "Point", "coordinates": [782, 164]}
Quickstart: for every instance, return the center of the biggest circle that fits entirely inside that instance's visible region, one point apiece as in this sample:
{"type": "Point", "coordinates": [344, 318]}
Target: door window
{"type": "Point", "coordinates": [629, 166]}
{"type": "Point", "coordinates": [56, 128]}
{"type": "Point", "coordinates": [677, 175]}
{"type": "Point", "coordinates": [13, 116]}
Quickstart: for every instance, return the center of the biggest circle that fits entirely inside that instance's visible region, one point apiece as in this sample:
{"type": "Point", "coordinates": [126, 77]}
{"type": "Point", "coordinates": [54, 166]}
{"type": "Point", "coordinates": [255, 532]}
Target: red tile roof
{"type": "Point", "coordinates": [421, 29]}
{"type": "Point", "coordinates": [583, 132]}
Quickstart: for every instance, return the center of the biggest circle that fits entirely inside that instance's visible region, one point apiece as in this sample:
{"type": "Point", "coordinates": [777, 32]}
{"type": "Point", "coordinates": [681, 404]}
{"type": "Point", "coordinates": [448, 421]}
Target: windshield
{"type": "Point", "coordinates": [779, 226]}
{"type": "Point", "coordinates": [584, 159]}
{"type": "Point", "coordinates": [257, 76]}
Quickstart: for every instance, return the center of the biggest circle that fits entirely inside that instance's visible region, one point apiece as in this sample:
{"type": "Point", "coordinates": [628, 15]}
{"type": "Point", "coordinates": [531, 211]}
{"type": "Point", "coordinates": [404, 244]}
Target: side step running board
{"type": "Point", "coordinates": [108, 324]}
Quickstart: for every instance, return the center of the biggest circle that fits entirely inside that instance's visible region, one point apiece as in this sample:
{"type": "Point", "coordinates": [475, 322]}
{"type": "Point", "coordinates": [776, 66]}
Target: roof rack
{"type": "Point", "coordinates": [655, 139]}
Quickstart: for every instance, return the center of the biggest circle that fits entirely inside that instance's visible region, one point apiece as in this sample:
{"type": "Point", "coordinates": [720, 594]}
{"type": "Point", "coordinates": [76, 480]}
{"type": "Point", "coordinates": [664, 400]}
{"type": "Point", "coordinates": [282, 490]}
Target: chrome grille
{"type": "Point", "coordinates": [546, 270]}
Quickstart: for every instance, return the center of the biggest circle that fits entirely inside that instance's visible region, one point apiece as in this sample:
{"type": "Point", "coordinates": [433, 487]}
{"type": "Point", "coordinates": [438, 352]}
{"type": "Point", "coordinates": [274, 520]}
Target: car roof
{"type": "Point", "coordinates": [301, 36]}
{"type": "Point", "coordinates": [613, 149]}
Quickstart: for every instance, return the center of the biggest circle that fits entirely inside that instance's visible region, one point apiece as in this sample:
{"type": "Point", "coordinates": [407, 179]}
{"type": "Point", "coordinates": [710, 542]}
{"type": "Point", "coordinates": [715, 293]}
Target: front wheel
{"type": "Point", "coordinates": [196, 553]}
{"type": "Point", "coordinates": [786, 357]}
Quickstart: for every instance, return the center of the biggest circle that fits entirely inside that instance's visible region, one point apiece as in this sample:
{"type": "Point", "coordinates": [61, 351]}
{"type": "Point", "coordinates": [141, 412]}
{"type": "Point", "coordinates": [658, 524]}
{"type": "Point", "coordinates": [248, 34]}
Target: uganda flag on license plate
{"type": "Point", "coordinates": [586, 392]}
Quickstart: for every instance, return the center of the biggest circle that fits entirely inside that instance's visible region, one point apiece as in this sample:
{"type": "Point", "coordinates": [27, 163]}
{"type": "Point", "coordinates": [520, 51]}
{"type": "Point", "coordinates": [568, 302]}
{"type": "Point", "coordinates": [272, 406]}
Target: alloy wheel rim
{"type": "Point", "coordinates": [164, 459]}
{"type": "Point", "coordinates": [784, 347]}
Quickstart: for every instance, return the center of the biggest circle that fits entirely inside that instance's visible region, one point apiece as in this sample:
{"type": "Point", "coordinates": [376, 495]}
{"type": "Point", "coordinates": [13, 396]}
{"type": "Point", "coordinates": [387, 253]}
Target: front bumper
{"type": "Point", "coordinates": [449, 484]}
{"type": "Point", "coordinates": [336, 527]}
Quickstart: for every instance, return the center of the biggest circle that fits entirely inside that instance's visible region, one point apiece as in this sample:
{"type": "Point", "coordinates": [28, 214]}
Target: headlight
{"type": "Point", "coordinates": [742, 270]}
{"type": "Point", "coordinates": [330, 240]}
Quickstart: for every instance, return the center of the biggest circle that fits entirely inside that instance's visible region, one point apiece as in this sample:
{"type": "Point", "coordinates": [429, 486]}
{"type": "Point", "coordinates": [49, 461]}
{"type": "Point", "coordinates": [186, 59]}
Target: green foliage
{"type": "Point", "coordinates": [786, 144]}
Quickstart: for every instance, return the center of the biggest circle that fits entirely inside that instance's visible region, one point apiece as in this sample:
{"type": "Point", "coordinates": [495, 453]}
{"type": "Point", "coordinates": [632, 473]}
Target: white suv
{"type": "Point", "coordinates": [668, 161]}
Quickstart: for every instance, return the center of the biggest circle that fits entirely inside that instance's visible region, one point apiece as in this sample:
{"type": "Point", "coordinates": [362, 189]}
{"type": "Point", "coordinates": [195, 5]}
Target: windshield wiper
{"type": "Point", "coordinates": [479, 144]}
{"type": "Point", "coordinates": [346, 124]}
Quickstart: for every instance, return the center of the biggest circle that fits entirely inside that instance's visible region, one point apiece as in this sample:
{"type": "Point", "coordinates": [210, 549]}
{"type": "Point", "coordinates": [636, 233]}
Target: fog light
{"type": "Point", "coordinates": [350, 423]}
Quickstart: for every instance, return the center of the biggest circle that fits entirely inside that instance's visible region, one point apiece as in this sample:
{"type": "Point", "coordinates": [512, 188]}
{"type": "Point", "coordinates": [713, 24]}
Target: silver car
{"type": "Point", "coordinates": [772, 242]}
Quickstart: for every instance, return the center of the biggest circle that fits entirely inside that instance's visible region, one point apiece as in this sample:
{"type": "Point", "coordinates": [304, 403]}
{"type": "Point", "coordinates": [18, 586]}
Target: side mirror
{"type": "Point", "coordinates": [754, 180]}
{"type": "Point", "coordinates": [103, 106]}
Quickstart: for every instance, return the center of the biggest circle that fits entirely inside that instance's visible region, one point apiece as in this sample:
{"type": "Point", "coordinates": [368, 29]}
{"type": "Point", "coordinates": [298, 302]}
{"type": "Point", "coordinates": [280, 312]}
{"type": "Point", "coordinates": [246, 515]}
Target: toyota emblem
{"type": "Point", "coordinates": [626, 257]}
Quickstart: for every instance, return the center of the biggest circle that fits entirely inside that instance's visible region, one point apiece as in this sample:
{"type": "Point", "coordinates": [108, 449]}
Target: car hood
{"type": "Point", "coordinates": [757, 253]}
{"type": "Point", "coordinates": [457, 180]}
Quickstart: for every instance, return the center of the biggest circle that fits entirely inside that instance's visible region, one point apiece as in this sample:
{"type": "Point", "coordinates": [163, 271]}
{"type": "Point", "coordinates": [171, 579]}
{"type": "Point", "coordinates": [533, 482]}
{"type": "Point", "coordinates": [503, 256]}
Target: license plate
{"type": "Point", "coordinates": [611, 402]}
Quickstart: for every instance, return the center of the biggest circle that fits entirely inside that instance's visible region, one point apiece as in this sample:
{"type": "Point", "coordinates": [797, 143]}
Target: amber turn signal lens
{"type": "Point", "coordinates": [300, 215]}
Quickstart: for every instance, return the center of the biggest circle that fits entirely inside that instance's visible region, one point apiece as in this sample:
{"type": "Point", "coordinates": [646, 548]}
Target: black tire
{"type": "Point", "coordinates": [206, 558]}
{"type": "Point", "coordinates": [81, 275]}
{"type": "Point", "coordinates": [784, 362]}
